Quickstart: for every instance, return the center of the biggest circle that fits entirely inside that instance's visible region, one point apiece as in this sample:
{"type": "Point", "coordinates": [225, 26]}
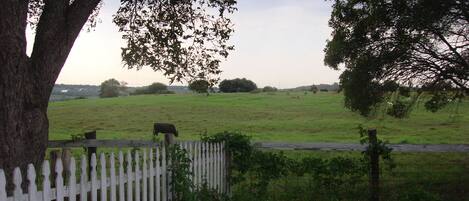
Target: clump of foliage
{"type": "Point", "coordinates": [154, 88]}
{"type": "Point", "coordinates": [199, 86]}
{"type": "Point", "coordinates": [421, 43]}
{"type": "Point", "coordinates": [314, 89]}
{"type": "Point", "coordinates": [254, 171]}
{"type": "Point", "coordinates": [111, 88]}
{"type": "Point", "coordinates": [269, 89]}
{"type": "Point", "coordinates": [237, 85]}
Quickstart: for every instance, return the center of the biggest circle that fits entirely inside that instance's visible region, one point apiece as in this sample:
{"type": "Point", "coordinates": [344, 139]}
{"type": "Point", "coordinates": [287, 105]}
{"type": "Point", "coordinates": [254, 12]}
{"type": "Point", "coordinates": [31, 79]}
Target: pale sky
{"type": "Point", "coordinates": [277, 42]}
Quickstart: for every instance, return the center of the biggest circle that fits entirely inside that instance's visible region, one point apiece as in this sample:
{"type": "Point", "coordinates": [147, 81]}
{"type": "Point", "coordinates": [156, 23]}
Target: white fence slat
{"type": "Point", "coordinates": [46, 182]}
{"type": "Point", "coordinates": [220, 177]}
{"type": "Point", "coordinates": [83, 179]}
{"type": "Point", "coordinates": [94, 182]}
{"type": "Point", "coordinates": [217, 167]}
{"type": "Point", "coordinates": [144, 177]}
{"type": "Point", "coordinates": [152, 176]}
{"type": "Point", "coordinates": [137, 176]}
{"type": "Point", "coordinates": [158, 175]}
{"type": "Point", "coordinates": [3, 183]}
{"type": "Point", "coordinates": [102, 160]}
{"type": "Point", "coordinates": [223, 162]}
{"type": "Point", "coordinates": [199, 163]}
{"type": "Point", "coordinates": [164, 185]}
{"type": "Point", "coordinates": [210, 164]}
{"type": "Point", "coordinates": [129, 177]}
{"type": "Point", "coordinates": [32, 189]}
{"type": "Point", "coordinates": [17, 180]}
{"type": "Point", "coordinates": [59, 181]}
{"type": "Point", "coordinates": [168, 173]}
{"type": "Point", "coordinates": [112, 172]}
{"type": "Point", "coordinates": [72, 180]}
{"type": "Point", "coordinates": [121, 177]}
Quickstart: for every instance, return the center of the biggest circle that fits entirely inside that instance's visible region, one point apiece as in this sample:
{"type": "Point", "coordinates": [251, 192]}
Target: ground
{"type": "Point", "coordinates": [280, 116]}
{"type": "Point", "coordinates": [287, 117]}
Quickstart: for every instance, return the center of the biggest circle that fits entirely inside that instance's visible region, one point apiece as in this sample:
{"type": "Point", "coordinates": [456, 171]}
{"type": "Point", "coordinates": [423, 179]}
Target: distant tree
{"type": "Point", "coordinates": [237, 85]}
{"type": "Point", "coordinates": [314, 89]}
{"type": "Point", "coordinates": [421, 43]}
{"type": "Point", "coordinates": [154, 88]}
{"type": "Point", "coordinates": [110, 88]}
{"type": "Point", "coordinates": [157, 88]}
{"type": "Point", "coordinates": [269, 89]}
{"type": "Point", "coordinates": [324, 90]}
{"type": "Point", "coordinates": [199, 86]}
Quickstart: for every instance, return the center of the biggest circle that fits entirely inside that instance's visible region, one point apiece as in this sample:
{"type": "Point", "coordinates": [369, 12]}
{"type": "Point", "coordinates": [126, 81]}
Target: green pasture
{"type": "Point", "coordinates": [280, 116]}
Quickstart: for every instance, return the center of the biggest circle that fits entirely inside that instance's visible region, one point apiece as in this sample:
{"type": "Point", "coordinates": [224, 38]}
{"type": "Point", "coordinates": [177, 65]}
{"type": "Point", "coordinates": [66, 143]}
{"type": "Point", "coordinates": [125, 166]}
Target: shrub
{"type": "Point", "coordinates": [237, 85]}
{"type": "Point", "coordinates": [269, 89]}
{"type": "Point", "coordinates": [199, 86]}
{"type": "Point", "coordinates": [155, 88]}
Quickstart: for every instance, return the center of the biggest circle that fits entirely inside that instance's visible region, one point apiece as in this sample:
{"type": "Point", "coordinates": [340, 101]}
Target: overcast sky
{"type": "Point", "coordinates": [277, 42]}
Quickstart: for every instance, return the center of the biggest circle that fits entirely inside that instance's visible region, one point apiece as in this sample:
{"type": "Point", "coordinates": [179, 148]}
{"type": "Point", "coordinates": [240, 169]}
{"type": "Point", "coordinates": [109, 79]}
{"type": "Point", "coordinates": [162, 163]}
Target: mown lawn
{"type": "Point", "coordinates": [281, 116]}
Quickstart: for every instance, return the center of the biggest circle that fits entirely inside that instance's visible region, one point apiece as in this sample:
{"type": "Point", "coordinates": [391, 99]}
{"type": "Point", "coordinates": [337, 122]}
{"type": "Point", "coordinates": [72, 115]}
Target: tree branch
{"type": "Point", "coordinates": [57, 30]}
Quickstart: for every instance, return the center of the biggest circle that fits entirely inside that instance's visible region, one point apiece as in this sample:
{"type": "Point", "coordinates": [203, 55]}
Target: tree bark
{"type": "Point", "coordinates": [26, 82]}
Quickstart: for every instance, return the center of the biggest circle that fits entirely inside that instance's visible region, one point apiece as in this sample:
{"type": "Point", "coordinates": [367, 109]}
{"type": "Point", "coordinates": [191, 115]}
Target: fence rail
{"type": "Point", "coordinates": [141, 176]}
{"type": "Point", "coordinates": [360, 147]}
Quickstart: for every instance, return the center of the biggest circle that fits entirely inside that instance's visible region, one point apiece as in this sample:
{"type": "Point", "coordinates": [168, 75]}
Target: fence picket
{"type": "Point", "coordinates": [17, 180]}
{"type": "Point", "coordinates": [112, 172]}
{"type": "Point", "coordinates": [217, 166]}
{"type": "Point", "coordinates": [158, 175]}
{"type": "Point", "coordinates": [94, 183]}
{"type": "Point", "coordinates": [199, 164]}
{"type": "Point", "coordinates": [152, 176]}
{"type": "Point", "coordinates": [32, 189]}
{"type": "Point", "coordinates": [46, 181]}
{"type": "Point", "coordinates": [83, 180]}
{"type": "Point", "coordinates": [144, 177]}
{"type": "Point", "coordinates": [3, 183]}
{"type": "Point", "coordinates": [121, 177]}
{"type": "Point", "coordinates": [163, 174]}
{"type": "Point", "coordinates": [129, 176]}
{"type": "Point", "coordinates": [102, 160]}
{"type": "Point", "coordinates": [72, 181]}
{"type": "Point", "coordinates": [137, 177]}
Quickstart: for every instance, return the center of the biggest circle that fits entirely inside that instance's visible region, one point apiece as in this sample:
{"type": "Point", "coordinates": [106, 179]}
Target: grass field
{"type": "Point", "coordinates": [281, 116]}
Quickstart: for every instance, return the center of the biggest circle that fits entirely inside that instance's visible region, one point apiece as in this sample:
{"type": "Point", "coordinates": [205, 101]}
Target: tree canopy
{"type": "Point", "coordinates": [237, 85]}
{"type": "Point", "coordinates": [110, 88]}
{"type": "Point", "coordinates": [422, 44]}
{"type": "Point", "coordinates": [185, 39]}
{"type": "Point", "coordinates": [199, 86]}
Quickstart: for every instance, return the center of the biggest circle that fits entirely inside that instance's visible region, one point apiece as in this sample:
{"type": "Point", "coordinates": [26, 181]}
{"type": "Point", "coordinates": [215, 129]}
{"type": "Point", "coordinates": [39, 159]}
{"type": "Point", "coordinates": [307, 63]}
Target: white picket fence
{"type": "Point", "coordinates": [148, 181]}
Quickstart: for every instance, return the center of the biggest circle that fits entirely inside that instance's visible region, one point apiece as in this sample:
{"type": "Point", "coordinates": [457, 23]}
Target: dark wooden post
{"type": "Point", "coordinates": [168, 139]}
{"type": "Point", "coordinates": [91, 150]}
{"type": "Point", "coordinates": [374, 165]}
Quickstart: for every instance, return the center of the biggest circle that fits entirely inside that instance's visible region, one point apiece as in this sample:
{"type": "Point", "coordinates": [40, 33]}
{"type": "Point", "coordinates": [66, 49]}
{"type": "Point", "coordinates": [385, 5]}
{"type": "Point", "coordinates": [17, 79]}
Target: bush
{"type": "Point", "coordinates": [199, 86]}
{"type": "Point", "coordinates": [269, 89]}
{"type": "Point", "coordinates": [155, 88]}
{"type": "Point", "coordinates": [254, 173]}
{"type": "Point", "coordinates": [110, 88]}
{"type": "Point", "coordinates": [237, 85]}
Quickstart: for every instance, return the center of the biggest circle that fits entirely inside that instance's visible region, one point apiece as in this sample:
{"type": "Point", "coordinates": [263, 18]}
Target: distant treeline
{"type": "Point", "coordinates": [62, 92]}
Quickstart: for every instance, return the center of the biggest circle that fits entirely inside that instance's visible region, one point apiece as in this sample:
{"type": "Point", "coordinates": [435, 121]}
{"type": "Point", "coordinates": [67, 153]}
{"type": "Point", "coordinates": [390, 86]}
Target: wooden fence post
{"type": "Point", "coordinates": [91, 150]}
{"type": "Point", "coordinates": [374, 165]}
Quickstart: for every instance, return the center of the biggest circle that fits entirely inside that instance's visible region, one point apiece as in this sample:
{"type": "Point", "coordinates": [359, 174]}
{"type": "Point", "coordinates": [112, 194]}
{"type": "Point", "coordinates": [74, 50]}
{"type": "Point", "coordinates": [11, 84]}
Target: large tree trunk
{"type": "Point", "coordinates": [26, 82]}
